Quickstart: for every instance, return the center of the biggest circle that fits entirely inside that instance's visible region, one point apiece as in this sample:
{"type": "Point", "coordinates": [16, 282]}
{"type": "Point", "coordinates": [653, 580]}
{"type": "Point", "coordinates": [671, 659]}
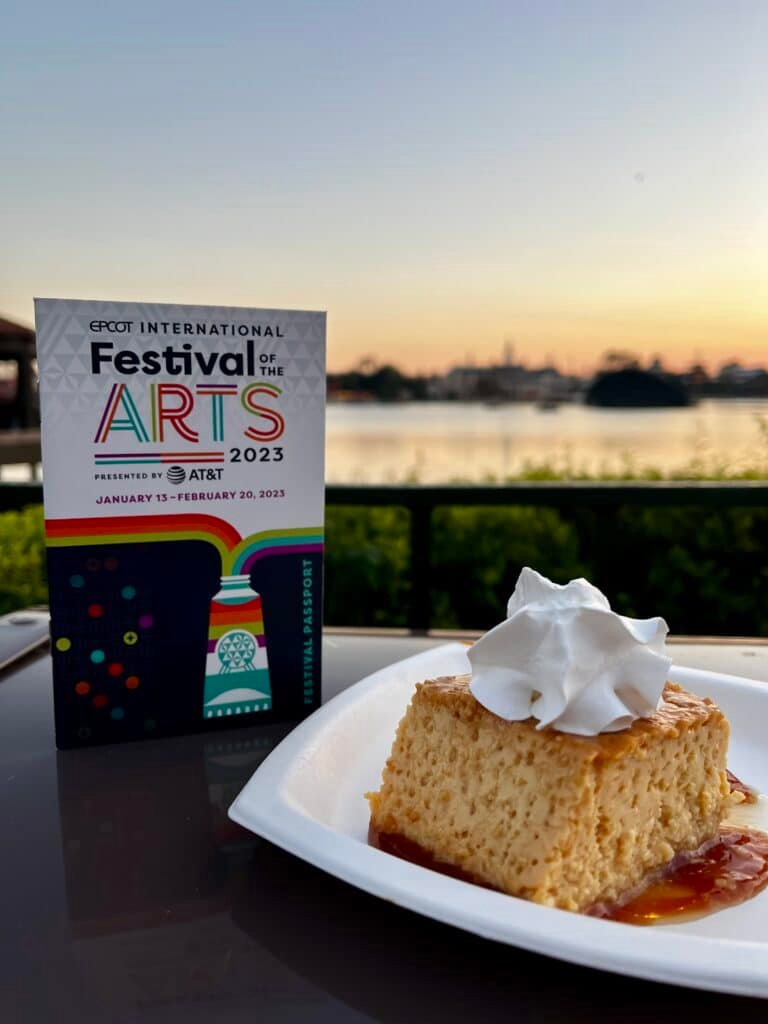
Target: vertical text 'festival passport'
{"type": "Point", "coordinates": [183, 483]}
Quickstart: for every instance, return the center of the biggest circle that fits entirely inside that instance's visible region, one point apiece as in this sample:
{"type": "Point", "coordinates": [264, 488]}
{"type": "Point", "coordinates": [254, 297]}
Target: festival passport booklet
{"type": "Point", "coordinates": [183, 484]}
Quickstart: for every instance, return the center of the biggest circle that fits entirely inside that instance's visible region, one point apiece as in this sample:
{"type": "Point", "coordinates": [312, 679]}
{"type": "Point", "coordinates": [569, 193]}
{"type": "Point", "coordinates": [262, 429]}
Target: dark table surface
{"type": "Point", "coordinates": [128, 895]}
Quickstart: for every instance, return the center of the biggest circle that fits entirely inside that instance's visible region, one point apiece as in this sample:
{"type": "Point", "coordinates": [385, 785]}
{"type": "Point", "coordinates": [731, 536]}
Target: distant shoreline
{"type": "Point", "coordinates": [370, 400]}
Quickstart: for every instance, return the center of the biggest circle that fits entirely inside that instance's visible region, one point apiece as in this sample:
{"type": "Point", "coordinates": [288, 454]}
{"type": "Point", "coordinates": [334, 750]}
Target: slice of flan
{"type": "Point", "coordinates": [564, 820]}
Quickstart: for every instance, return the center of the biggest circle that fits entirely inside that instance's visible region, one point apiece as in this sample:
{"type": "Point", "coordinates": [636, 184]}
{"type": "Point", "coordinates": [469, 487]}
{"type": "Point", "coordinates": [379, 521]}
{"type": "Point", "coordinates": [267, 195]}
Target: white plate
{"type": "Point", "coordinates": [307, 797]}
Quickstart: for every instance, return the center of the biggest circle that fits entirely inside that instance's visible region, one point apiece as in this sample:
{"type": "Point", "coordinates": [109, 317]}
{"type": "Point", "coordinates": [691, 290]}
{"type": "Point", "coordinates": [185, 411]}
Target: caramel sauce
{"type": "Point", "coordinates": [737, 786]}
{"type": "Point", "coordinates": [400, 846]}
{"type": "Point", "coordinates": [722, 873]}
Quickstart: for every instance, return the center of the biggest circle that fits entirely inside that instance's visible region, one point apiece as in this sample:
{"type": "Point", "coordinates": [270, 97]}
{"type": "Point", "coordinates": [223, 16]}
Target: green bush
{"type": "Point", "coordinates": [477, 554]}
{"type": "Point", "coordinates": [366, 568]}
{"type": "Point", "coordinates": [705, 570]}
{"type": "Point", "coordinates": [22, 559]}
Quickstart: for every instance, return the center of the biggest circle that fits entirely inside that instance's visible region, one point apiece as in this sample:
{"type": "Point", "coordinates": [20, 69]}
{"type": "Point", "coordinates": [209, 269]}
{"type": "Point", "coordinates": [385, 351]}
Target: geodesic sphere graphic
{"type": "Point", "coordinates": [236, 650]}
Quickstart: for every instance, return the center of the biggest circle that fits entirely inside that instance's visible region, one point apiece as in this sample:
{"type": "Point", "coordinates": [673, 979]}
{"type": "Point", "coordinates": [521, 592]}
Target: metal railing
{"type": "Point", "coordinates": [421, 502]}
{"type": "Point", "coordinates": [20, 446]}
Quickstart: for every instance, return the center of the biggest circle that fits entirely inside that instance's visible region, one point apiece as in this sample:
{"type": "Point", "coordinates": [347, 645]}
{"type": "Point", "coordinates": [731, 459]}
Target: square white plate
{"type": "Point", "coordinates": [307, 797]}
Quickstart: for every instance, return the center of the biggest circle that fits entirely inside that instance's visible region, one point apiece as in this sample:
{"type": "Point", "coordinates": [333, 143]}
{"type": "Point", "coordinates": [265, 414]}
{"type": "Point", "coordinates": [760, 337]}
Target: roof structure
{"type": "Point", "coordinates": [18, 333]}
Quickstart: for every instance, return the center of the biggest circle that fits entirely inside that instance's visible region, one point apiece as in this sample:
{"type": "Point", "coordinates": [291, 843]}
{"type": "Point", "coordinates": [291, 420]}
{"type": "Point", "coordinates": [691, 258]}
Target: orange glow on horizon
{"type": "Point", "coordinates": [574, 348]}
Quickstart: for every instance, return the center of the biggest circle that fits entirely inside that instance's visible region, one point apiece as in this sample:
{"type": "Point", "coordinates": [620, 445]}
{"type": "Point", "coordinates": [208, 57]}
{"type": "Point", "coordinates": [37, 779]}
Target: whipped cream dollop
{"type": "Point", "coordinates": [562, 656]}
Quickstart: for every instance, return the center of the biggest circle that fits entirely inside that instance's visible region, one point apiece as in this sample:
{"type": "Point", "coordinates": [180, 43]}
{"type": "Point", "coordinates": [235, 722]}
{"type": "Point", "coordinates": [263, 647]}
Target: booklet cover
{"type": "Point", "coordinates": [183, 484]}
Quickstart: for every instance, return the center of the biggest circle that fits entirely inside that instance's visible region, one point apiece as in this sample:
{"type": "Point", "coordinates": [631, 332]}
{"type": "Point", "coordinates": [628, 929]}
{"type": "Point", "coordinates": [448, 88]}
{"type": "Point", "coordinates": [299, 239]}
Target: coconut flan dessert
{"type": "Point", "coordinates": [564, 820]}
{"type": "Point", "coordinates": [564, 769]}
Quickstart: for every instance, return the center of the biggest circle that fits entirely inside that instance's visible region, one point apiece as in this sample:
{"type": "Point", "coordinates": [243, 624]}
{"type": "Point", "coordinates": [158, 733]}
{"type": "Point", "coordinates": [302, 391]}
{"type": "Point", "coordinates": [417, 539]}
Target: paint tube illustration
{"type": "Point", "coordinates": [236, 671]}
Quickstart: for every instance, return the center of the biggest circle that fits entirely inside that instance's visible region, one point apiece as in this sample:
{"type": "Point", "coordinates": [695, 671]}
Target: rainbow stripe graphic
{"type": "Point", "coordinates": [238, 554]}
{"type": "Point", "coordinates": [155, 458]}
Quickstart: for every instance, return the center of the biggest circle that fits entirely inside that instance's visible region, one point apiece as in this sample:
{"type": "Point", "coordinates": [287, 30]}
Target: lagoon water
{"type": "Point", "coordinates": [437, 442]}
{"type": "Point", "coordinates": [442, 441]}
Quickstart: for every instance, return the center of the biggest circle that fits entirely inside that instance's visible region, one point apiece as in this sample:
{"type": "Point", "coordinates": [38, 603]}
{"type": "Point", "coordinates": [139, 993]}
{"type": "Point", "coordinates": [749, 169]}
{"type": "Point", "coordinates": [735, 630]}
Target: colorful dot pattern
{"type": "Point", "coordinates": [122, 636]}
{"type": "Point", "coordinates": [106, 601]}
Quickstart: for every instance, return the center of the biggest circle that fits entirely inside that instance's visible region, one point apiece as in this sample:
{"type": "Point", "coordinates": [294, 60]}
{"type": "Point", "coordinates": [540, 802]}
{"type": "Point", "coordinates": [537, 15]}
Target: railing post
{"type": "Point", "coordinates": [420, 607]}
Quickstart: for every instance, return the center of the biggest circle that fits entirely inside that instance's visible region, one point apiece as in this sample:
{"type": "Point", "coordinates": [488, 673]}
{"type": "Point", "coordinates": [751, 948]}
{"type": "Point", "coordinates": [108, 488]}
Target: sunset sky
{"type": "Point", "coordinates": [440, 176]}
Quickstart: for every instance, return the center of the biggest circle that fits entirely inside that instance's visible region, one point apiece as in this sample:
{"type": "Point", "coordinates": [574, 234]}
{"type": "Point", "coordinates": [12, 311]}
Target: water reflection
{"type": "Point", "coordinates": [441, 441]}
{"type": "Point", "coordinates": [145, 836]}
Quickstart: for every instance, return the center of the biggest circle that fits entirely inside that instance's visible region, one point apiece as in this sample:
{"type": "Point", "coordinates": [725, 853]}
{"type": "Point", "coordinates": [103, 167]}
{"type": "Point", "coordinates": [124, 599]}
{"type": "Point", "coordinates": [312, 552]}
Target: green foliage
{"type": "Point", "coordinates": [366, 569]}
{"type": "Point", "coordinates": [477, 554]}
{"type": "Point", "coordinates": [704, 569]}
{"type": "Point", "coordinates": [22, 559]}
